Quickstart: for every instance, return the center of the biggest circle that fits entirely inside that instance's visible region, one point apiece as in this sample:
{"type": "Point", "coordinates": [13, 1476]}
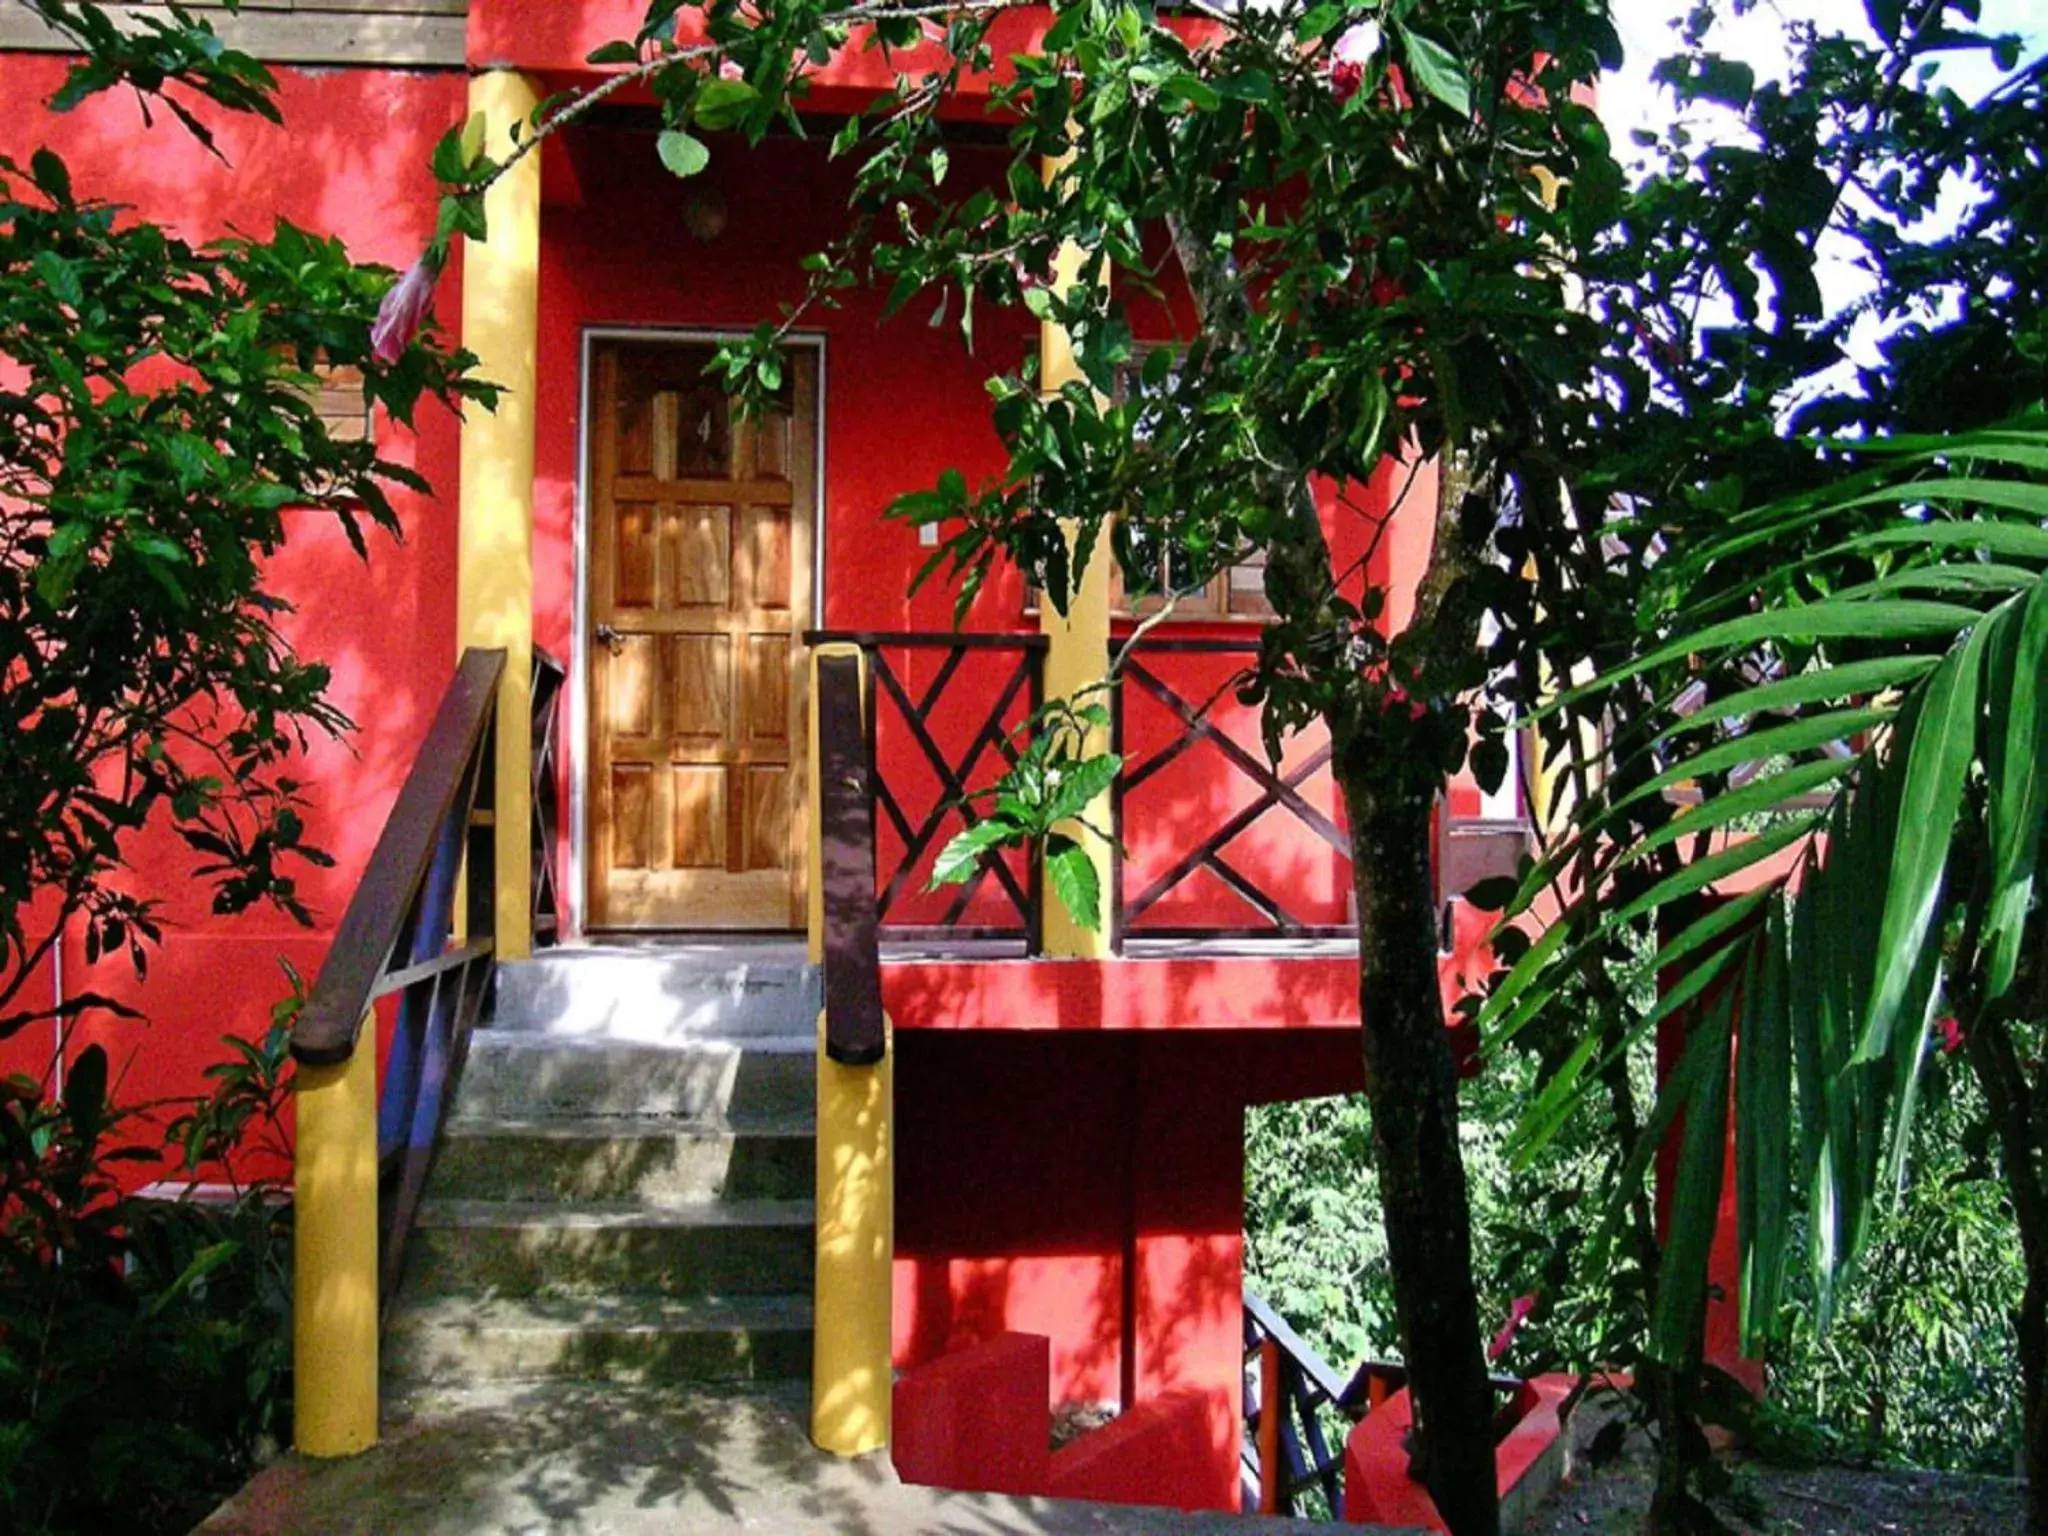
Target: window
{"type": "Point", "coordinates": [337, 399]}
{"type": "Point", "coordinates": [1238, 592]}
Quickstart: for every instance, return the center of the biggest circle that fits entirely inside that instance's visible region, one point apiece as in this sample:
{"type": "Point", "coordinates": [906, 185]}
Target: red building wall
{"type": "Point", "coordinates": [351, 161]}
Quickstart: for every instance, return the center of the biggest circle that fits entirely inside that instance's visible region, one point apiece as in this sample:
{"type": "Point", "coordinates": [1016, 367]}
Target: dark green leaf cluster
{"type": "Point", "coordinates": [145, 1349]}
{"type": "Point", "coordinates": [1894, 743]}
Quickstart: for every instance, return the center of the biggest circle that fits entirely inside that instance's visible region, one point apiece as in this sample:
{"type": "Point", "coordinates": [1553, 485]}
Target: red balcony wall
{"type": "Point", "coordinates": [1090, 1188]}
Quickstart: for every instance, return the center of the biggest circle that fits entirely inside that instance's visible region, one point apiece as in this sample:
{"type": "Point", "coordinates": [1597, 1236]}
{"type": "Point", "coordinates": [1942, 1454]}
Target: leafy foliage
{"type": "Point", "coordinates": [144, 1343]}
{"type": "Point", "coordinates": [1915, 1364]}
{"type": "Point", "coordinates": [1056, 779]}
{"type": "Point", "coordinates": [158, 423]}
{"type": "Point", "coordinates": [1922, 885]}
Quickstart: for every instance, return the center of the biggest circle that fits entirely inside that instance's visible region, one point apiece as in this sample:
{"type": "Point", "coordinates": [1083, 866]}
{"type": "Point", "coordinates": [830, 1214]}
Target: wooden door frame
{"type": "Point", "coordinates": [576, 886]}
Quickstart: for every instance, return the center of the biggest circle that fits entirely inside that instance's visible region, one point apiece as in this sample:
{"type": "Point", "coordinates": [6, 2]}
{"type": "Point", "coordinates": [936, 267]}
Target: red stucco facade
{"type": "Point", "coordinates": [1071, 1134]}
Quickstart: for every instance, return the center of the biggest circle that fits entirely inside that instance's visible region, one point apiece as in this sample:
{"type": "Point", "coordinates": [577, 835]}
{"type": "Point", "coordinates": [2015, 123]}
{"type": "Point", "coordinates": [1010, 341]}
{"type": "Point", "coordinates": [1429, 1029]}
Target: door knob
{"type": "Point", "coordinates": [610, 639]}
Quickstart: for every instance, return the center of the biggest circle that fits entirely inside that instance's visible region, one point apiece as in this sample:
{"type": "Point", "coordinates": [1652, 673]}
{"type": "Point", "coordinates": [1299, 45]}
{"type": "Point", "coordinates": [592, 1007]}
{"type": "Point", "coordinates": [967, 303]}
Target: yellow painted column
{"type": "Point", "coordinates": [494, 592]}
{"type": "Point", "coordinates": [334, 1248]}
{"type": "Point", "coordinates": [1077, 656]}
{"type": "Point", "coordinates": [851, 1362]}
{"type": "Point", "coordinates": [851, 1352]}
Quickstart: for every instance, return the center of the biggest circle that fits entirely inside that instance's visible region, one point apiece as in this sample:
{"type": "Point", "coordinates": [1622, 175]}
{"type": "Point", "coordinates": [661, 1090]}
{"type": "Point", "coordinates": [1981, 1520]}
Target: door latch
{"type": "Point", "coordinates": [610, 639]}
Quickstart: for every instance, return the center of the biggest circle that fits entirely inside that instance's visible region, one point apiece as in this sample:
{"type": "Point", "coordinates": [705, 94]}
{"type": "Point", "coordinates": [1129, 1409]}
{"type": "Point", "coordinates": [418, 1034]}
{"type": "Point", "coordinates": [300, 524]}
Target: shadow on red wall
{"type": "Point", "coordinates": [351, 161]}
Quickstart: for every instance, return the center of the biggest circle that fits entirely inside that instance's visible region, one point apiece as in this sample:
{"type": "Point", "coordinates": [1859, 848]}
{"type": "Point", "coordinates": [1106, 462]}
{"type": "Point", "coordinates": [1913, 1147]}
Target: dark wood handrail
{"type": "Point", "coordinates": [928, 640]}
{"type": "Point", "coordinates": [378, 916]}
{"type": "Point", "coordinates": [855, 1034]}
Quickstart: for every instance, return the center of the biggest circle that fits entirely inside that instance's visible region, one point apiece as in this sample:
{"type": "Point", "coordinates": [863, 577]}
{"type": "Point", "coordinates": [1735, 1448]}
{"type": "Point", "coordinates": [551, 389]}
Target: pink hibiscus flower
{"type": "Point", "coordinates": [403, 312]}
{"type": "Point", "coordinates": [1354, 50]}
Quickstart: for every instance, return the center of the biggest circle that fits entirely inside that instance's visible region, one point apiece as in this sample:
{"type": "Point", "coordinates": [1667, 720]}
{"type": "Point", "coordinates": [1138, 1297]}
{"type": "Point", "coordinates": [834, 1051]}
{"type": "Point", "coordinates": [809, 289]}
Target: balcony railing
{"type": "Point", "coordinates": [1214, 841]}
{"type": "Point", "coordinates": [943, 712]}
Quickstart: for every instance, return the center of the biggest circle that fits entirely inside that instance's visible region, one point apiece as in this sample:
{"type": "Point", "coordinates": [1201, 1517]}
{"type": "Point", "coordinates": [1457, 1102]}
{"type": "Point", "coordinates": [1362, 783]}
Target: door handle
{"type": "Point", "coordinates": [610, 639]}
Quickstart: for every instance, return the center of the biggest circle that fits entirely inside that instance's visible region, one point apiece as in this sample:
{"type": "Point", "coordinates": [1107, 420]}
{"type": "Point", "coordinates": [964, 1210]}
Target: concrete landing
{"type": "Point", "coordinates": [568, 1457]}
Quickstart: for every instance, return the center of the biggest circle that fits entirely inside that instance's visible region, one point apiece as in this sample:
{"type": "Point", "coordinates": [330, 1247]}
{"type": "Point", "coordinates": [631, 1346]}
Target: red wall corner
{"type": "Point", "coordinates": [1157, 1453]}
{"type": "Point", "coordinates": [977, 1419]}
{"type": "Point", "coordinates": [1529, 1462]}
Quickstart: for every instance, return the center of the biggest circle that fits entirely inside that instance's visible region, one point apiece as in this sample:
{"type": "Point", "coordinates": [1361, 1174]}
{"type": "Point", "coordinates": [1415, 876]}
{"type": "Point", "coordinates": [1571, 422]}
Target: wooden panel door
{"type": "Point", "coordinates": [701, 532]}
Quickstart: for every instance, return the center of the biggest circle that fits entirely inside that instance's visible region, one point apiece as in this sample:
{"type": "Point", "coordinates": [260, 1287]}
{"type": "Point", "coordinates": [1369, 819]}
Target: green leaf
{"type": "Point", "coordinates": [1321, 20]}
{"type": "Point", "coordinates": [1075, 881]}
{"type": "Point", "coordinates": [1942, 745]}
{"type": "Point", "coordinates": [962, 856]}
{"type": "Point", "coordinates": [1696, 1196]}
{"type": "Point", "coordinates": [618, 52]}
{"type": "Point", "coordinates": [1438, 71]}
{"type": "Point", "coordinates": [60, 276]}
{"type": "Point", "coordinates": [1763, 1132]}
{"type": "Point", "coordinates": [1671, 1099]}
{"type": "Point", "coordinates": [1562, 1095]}
{"type": "Point", "coordinates": [723, 103]}
{"type": "Point", "coordinates": [50, 175]}
{"type": "Point", "coordinates": [449, 163]}
{"type": "Point", "coordinates": [204, 1263]}
{"type": "Point", "coordinates": [1080, 785]}
{"type": "Point", "coordinates": [1850, 680]}
{"type": "Point", "coordinates": [683, 153]}
{"type": "Point", "coordinates": [2017, 678]}
{"type": "Point", "coordinates": [1191, 89]}
{"type": "Point", "coordinates": [1903, 619]}
{"type": "Point", "coordinates": [1759, 746]}
{"type": "Point", "coordinates": [1728, 81]}
{"type": "Point", "coordinates": [85, 1090]}
{"type": "Point", "coordinates": [1754, 798]}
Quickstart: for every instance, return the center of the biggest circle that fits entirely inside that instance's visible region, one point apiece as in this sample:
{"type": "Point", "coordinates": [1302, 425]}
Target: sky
{"type": "Point", "coordinates": [1629, 100]}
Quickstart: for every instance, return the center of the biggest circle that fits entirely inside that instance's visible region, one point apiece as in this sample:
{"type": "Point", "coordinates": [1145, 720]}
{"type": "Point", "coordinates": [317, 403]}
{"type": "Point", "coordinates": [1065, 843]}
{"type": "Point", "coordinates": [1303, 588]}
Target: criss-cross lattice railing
{"type": "Point", "coordinates": [1270, 845]}
{"type": "Point", "coordinates": [942, 713]}
{"type": "Point", "coordinates": [548, 678]}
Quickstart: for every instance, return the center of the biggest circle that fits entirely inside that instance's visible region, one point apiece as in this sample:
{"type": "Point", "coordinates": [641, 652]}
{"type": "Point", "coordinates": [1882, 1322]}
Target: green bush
{"type": "Point", "coordinates": [144, 1343]}
{"type": "Point", "coordinates": [1915, 1370]}
{"type": "Point", "coordinates": [1918, 1366]}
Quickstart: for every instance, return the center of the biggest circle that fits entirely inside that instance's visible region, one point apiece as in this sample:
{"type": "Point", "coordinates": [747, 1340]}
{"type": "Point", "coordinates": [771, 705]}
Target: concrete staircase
{"type": "Point", "coordinates": [624, 1192]}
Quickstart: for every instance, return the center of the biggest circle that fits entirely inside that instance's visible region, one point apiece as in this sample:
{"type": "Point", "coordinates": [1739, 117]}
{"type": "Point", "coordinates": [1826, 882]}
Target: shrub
{"type": "Point", "coordinates": [144, 1342]}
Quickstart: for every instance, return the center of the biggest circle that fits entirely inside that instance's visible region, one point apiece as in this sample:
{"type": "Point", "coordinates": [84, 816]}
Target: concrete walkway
{"type": "Point", "coordinates": [623, 1461]}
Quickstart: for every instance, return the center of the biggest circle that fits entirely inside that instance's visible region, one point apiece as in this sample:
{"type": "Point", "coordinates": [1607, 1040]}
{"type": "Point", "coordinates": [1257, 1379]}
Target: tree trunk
{"type": "Point", "coordinates": [1411, 1084]}
{"type": "Point", "coordinates": [2033, 1342]}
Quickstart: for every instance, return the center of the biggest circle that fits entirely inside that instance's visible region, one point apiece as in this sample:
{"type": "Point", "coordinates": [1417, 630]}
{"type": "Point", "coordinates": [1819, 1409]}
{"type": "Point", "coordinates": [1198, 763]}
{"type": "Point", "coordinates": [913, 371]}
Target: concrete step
{"type": "Point", "coordinates": [657, 996]}
{"type": "Point", "coordinates": [651, 1160]}
{"type": "Point", "coordinates": [614, 1338]}
{"type": "Point", "coordinates": [542, 1247]}
{"type": "Point", "coordinates": [527, 1076]}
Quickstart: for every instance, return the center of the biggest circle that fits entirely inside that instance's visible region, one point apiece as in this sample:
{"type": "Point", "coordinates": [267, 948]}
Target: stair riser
{"type": "Point", "coordinates": [670, 1261]}
{"type": "Point", "coordinates": [652, 998]}
{"type": "Point", "coordinates": [538, 1081]}
{"type": "Point", "coordinates": [654, 1170]}
{"type": "Point", "coordinates": [599, 1354]}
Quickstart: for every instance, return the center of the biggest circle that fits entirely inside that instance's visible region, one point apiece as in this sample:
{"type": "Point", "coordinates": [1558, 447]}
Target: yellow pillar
{"type": "Point", "coordinates": [494, 591]}
{"type": "Point", "coordinates": [851, 1369]}
{"type": "Point", "coordinates": [851, 1362]}
{"type": "Point", "coordinates": [1077, 655]}
{"type": "Point", "coordinates": [334, 1247]}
